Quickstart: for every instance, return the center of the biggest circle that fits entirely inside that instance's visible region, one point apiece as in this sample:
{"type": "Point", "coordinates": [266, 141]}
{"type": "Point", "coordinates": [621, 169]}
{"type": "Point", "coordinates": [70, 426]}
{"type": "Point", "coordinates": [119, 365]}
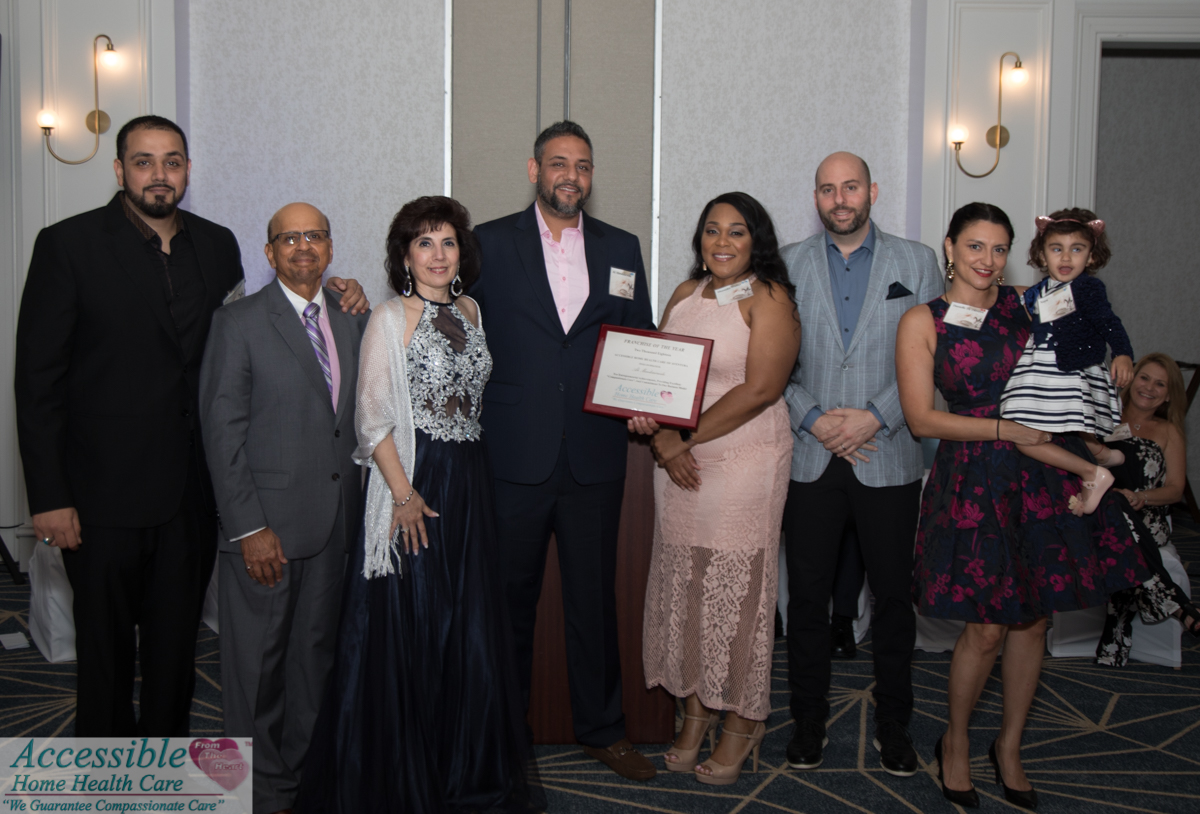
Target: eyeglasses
{"type": "Point", "coordinates": [292, 238]}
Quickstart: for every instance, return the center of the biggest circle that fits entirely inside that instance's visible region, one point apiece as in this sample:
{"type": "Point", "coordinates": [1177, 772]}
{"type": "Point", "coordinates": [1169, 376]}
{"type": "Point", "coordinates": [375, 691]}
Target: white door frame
{"type": "Point", "coordinates": [1081, 27]}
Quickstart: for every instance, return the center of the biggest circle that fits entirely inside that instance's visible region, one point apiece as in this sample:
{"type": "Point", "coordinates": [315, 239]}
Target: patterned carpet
{"type": "Point", "coordinates": [1099, 740]}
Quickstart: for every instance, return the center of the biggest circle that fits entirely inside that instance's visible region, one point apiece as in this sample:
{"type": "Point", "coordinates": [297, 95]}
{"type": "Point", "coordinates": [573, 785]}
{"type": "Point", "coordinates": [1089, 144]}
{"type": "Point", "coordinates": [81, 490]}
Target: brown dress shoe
{"type": "Point", "coordinates": [623, 759]}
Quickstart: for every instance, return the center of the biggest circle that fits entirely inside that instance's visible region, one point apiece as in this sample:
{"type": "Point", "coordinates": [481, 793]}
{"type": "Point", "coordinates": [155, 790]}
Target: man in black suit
{"type": "Point", "coordinates": [112, 327]}
{"type": "Point", "coordinates": [551, 276]}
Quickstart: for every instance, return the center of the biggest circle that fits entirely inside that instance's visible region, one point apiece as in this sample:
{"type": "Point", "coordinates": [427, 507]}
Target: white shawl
{"type": "Point", "coordinates": [384, 408]}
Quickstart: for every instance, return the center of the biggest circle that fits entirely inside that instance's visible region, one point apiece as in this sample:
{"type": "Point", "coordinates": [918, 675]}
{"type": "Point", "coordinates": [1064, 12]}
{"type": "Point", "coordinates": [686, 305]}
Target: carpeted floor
{"type": "Point", "coordinates": [1099, 740]}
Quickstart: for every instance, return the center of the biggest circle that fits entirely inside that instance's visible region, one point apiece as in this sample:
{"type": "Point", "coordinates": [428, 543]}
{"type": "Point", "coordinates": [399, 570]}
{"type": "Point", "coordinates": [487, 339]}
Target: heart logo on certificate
{"type": "Point", "coordinates": [220, 760]}
{"type": "Point", "coordinates": [667, 396]}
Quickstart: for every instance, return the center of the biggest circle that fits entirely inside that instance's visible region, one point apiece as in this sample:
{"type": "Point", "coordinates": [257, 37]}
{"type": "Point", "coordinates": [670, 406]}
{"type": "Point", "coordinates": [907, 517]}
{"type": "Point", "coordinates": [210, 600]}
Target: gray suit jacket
{"type": "Point", "coordinates": [828, 375]}
{"type": "Point", "coordinates": [278, 454]}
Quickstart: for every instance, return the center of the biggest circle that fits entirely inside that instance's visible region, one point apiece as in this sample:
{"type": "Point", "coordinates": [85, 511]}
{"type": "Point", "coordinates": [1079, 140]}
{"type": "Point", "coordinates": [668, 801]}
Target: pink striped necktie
{"type": "Point", "coordinates": [311, 312]}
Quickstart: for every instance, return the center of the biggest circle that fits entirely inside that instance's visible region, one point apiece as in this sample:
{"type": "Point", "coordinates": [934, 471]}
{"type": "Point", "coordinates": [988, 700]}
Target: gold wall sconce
{"type": "Point", "coordinates": [997, 136]}
{"type": "Point", "coordinates": [96, 121]}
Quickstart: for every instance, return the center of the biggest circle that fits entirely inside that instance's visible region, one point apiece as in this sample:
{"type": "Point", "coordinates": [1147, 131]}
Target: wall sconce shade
{"type": "Point", "coordinates": [997, 136]}
{"type": "Point", "coordinates": [96, 121]}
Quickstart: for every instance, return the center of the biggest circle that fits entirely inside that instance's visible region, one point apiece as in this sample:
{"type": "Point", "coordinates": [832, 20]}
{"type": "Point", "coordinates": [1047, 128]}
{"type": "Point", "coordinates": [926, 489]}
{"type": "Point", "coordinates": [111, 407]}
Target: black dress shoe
{"type": "Point", "coordinates": [968, 798]}
{"type": "Point", "coordinates": [896, 753]}
{"type": "Point", "coordinates": [1022, 799]}
{"type": "Point", "coordinates": [841, 637]}
{"type": "Point", "coordinates": [804, 750]}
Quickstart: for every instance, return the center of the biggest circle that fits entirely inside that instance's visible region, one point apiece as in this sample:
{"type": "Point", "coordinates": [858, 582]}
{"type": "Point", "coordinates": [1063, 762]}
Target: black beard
{"type": "Point", "coordinates": [857, 223]}
{"type": "Point", "coordinates": [154, 208]}
{"type": "Point", "coordinates": [550, 199]}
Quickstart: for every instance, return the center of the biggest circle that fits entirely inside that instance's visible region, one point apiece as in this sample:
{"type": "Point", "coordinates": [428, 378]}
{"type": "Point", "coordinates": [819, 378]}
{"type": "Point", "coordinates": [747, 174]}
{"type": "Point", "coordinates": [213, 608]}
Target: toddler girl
{"type": "Point", "coordinates": [1060, 385]}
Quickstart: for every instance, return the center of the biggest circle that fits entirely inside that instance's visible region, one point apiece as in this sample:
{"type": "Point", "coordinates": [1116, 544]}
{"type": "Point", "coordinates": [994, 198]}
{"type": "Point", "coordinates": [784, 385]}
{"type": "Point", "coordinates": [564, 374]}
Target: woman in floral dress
{"type": "Point", "coordinates": [996, 546]}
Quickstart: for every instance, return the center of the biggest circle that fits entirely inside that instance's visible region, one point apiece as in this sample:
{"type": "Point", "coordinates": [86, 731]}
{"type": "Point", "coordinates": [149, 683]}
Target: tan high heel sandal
{"type": "Point", "coordinates": [685, 759]}
{"type": "Point", "coordinates": [723, 775]}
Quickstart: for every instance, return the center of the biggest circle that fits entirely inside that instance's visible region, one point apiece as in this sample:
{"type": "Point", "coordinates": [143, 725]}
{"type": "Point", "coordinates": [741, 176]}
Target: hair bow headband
{"type": "Point", "coordinates": [1095, 226]}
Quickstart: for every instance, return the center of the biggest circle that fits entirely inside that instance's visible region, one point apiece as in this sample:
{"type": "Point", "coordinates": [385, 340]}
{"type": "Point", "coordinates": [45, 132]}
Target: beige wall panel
{"type": "Point", "coordinates": [755, 94]}
{"type": "Point", "coordinates": [612, 97]}
{"type": "Point", "coordinates": [495, 104]}
{"type": "Point", "coordinates": [339, 105]}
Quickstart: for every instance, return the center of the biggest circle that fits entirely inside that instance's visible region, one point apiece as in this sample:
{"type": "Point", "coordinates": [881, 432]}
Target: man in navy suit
{"type": "Point", "coordinates": [551, 276]}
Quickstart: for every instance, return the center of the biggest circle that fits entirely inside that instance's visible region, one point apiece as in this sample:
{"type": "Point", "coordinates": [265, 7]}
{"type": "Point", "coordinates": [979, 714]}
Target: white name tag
{"type": "Point", "coordinates": [235, 293]}
{"type": "Point", "coordinates": [1056, 304]}
{"type": "Point", "coordinates": [965, 316]}
{"type": "Point", "coordinates": [733, 293]}
{"type": "Point", "coordinates": [1121, 433]}
{"type": "Point", "coordinates": [620, 283]}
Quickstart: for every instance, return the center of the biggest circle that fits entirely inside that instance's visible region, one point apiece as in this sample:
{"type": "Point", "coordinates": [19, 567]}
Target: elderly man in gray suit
{"type": "Point", "coordinates": [854, 459]}
{"type": "Point", "coordinates": [277, 395]}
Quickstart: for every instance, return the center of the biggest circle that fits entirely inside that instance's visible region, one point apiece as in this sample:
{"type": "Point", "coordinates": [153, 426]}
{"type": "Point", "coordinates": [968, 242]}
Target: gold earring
{"type": "Point", "coordinates": [1000, 279]}
{"type": "Point", "coordinates": [704, 265]}
{"type": "Point", "coordinates": [950, 270]}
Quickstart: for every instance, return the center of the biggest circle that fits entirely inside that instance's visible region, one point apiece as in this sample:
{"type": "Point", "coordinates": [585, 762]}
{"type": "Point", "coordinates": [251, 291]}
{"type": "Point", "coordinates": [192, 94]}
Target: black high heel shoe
{"type": "Point", "coordinates": [1023, 799]}
{"type": "Point", "coordinates": [966, 799]}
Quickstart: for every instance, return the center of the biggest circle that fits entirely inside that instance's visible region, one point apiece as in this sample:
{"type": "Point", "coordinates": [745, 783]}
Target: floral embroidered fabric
{"type": "Point", "coordinates": [1145, 468]}
{"type": "Point", "coordinates": [448, 366]}
{"type": "Point", "coordinates": [997, 542]}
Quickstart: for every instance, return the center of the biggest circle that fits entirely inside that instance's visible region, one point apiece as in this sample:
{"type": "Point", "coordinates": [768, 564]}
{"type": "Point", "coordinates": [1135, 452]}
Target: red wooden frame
{"type": "Point", "coordinates": [693, 420]}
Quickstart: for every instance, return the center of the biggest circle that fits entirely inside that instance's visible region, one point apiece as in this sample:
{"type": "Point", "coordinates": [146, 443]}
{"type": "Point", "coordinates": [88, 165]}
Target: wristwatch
{"type": "Point", "coordinates": [686, 435]}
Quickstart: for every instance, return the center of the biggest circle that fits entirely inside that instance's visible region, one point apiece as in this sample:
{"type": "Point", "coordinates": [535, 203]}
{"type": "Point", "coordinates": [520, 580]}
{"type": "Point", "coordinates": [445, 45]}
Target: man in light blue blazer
{"type": "Point", "coordinates": [854, 459]}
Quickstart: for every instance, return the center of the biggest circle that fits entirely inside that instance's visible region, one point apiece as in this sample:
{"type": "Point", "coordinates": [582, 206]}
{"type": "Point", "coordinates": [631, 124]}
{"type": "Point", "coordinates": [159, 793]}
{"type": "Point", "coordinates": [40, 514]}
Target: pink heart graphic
{"type": "Point", "coordinates": [228, 768]}
{"type": "Point", "coordinates": [200, 745]}
{"type": "Point", "coordinates": [667, 396]}
{"type": "Point", "coordinates": [220, 760]}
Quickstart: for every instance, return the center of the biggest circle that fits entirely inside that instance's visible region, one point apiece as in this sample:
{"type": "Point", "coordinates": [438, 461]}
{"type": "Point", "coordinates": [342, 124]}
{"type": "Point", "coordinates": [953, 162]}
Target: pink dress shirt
{"type": "Point", "coordinates": [566, 268]}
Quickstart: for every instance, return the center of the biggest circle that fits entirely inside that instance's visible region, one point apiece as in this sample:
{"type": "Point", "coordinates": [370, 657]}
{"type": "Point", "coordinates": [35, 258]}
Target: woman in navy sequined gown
{"type": "Point", "coordinates": [423, 713]}
{"type": "Point", "coordinates": [996, 546]}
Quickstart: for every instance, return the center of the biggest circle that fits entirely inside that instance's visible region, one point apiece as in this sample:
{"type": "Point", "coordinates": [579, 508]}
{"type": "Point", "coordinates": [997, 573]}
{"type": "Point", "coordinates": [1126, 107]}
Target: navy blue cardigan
{"type": "Point", "coordinates": [1078, 339]}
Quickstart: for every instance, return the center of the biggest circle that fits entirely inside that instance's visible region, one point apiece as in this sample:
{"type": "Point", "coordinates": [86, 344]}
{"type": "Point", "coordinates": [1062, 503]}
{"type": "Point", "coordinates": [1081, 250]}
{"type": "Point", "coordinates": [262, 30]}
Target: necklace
{"type": "Point", "coordinates": [435, 302]}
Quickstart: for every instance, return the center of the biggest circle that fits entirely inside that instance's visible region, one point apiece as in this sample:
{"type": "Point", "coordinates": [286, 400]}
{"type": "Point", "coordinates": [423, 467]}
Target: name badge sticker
{"type": "Point", "coordinates": [620, 283]}
{"type": "Point", "coordinates": [732, 293]}
{"type": "Point", "coordinates": [1056, 304]}
{"type": "Point", "coordinates": [965, 316]}
{"type": "Point", "coordinates": [1121, 433]}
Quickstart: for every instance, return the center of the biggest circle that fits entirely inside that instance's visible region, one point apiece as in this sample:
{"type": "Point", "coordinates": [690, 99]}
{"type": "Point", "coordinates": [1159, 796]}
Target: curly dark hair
{"type": "Point", "coordinates": [1068, 222]}
{"type": "Point", "coordinates": [422, 215]}
{"type": "Point", "coordinates": [765, 261]}
{"type": "Point", "coordinates": [970, 213]}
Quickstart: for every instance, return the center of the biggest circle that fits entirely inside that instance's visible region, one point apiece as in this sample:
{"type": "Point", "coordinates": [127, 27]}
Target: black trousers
{"type": "Point", "coordinates": [848, 579]}
{"type": "Point", "coordinates": [153, 579]}
{"type": "Point", "coordinates": [814, 520]}
{"type": "Point", "coordinates": [584, 520]}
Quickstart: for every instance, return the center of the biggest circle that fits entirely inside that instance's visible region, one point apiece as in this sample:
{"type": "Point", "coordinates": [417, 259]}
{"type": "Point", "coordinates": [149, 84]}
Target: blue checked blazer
{"type": "Point", "coordinates": [828, 375]}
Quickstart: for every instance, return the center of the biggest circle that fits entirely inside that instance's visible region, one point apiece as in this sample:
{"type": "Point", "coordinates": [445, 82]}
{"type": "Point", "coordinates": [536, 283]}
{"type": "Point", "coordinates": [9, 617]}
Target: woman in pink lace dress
{"type": "Point", "coordinates": [719, 495]}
